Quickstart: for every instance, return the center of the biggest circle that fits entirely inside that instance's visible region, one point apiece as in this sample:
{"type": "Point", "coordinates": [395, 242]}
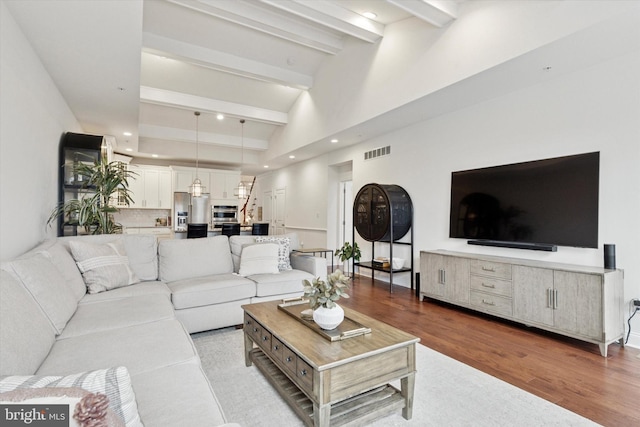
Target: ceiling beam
{"type": "Point", "coordinates": [332, 15]}
{"type": "Point", "coordinates": [436, 12]}
{"type": "Point", "coordinates": [261, 18]}
{"type": "Point", "coordinates": [222, 61]}
{"type": "Point", "coordinates": [188, 135]}
{"type": "Point", "coordinates": [193, 102]}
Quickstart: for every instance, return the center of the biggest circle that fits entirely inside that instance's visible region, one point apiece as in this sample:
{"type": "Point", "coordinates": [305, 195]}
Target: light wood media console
{"type": "Point", "coordinates": [586, 303]}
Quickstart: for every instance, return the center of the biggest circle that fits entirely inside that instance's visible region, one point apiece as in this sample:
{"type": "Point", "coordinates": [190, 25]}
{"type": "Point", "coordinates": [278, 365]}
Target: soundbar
{"type": "Point", "coordinates": [515, 245]}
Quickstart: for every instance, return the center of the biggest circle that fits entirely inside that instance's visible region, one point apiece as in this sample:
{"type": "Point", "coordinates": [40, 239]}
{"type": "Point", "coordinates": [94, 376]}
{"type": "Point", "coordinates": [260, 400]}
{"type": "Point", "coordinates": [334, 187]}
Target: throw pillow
{"type": "Point", "coordinates": [259, 259]}
{"type": "Point", "coordinates": [115, 383]}
{"type": "Point", "coordinates": [47, 286]}
{"type": "Point", "coordinates": [93, 409]}
{"type": "Point", "coordinates": [103, 267]}
{"type": "Point", "coordinates": [283, 250]}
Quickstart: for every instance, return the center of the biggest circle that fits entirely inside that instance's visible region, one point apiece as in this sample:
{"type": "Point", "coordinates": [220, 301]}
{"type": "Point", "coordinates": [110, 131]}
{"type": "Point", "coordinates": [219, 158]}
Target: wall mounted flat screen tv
{"type": "Point", "coordinates": [531, 205]}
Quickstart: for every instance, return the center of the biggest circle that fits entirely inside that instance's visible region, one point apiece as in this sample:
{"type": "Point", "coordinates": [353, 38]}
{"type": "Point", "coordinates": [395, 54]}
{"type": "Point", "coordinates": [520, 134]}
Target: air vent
{"type": "Point", "coordinates": [377, 152]}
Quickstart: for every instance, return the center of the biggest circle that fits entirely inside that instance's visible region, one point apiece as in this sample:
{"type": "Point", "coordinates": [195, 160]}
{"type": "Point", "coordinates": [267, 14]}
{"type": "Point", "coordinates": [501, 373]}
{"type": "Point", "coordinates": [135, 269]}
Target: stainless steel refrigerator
{"type": "Point", "coordinates": [190, 210]}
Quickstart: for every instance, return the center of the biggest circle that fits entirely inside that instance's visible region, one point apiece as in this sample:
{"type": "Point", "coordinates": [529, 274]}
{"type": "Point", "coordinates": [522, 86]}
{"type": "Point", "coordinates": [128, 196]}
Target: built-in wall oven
{"type": "Point", "coordinates": [223, 213]}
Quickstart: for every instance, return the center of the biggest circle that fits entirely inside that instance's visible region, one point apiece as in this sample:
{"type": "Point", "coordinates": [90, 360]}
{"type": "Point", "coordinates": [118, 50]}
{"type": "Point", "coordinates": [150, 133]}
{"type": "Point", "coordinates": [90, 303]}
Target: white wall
{"type": "Point", "coordinates": [595, 109]}
{"type": "Point", "coordinates": [33, 118]}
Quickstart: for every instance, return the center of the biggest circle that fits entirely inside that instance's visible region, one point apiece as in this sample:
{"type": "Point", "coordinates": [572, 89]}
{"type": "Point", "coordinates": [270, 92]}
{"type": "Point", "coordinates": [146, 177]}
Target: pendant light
{"type": "Point", "coordinates": [241, 191]}
{"type": "Point", "coordinates": [196, 189]}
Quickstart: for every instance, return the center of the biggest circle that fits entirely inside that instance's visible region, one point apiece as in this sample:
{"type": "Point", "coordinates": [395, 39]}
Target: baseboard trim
{"type": "Point", "coordinates": [634, 340]}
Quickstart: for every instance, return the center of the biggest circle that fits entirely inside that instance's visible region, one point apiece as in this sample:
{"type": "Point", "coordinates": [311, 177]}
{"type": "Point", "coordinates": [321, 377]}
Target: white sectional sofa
{"type": "Point", "coordinates": [132, 341]}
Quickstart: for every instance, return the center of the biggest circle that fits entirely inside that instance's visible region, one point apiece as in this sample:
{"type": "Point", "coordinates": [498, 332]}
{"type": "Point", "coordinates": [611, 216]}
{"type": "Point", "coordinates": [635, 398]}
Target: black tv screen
{"type": "Point", "coordinates": [551, 201]}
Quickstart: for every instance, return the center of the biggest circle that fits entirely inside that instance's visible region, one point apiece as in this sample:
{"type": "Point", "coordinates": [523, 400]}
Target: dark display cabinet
{"type": "Point", "coordinates": [384, 213]}
{"type": "Point", "coordinates": [75, 148]}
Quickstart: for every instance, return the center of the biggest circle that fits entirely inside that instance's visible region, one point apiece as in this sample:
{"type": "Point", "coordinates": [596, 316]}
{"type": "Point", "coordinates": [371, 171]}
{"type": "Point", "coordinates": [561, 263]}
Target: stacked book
{"type": "Point", "coordinates": [381, 262]}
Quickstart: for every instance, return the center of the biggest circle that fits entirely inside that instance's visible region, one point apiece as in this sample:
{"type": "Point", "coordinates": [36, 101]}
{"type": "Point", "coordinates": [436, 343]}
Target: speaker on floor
{"type": "Point", "coordinates": [610, 256]}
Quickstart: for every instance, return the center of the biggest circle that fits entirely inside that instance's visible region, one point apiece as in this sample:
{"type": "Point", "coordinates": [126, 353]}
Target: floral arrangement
{"type": "Point", "coordinates": [325, 294]}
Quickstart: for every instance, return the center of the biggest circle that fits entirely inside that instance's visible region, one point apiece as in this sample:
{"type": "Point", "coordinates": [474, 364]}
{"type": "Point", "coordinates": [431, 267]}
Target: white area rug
{"type": "Point", "coordinates": [447, 392]}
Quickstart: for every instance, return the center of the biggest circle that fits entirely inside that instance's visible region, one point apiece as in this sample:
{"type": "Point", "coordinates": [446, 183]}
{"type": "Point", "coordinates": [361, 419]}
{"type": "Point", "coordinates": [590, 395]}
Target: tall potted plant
{"type": "Point", "coordinates": [94, 209]}
{"type": "Point", "coordinates": [347, 252]}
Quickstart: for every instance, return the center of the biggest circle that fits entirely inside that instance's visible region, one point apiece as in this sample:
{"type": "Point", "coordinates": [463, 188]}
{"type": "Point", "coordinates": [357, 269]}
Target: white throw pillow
{"type": "Point", "coordinates": [259, 259]}
{"type": "Point", "coordinates": [104, 266]}
{"type": "Point", "coordinates": [284, 244]}
{"type": "Point", "coordinates": [115, 383]}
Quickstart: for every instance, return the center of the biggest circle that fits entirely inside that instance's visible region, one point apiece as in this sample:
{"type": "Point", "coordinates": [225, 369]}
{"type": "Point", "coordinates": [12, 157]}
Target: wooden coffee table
{"type": "Point", "coordinates": [331, 383]}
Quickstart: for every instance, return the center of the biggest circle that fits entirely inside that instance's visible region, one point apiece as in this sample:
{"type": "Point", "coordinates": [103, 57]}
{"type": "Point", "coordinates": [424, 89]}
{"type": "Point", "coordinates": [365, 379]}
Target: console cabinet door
{"type": "Point", "coordinates": [446, 277]}
{"type": "Point", "coordinates": [578, 303]}
{"type": "Point", "coordinates": [532, 301]}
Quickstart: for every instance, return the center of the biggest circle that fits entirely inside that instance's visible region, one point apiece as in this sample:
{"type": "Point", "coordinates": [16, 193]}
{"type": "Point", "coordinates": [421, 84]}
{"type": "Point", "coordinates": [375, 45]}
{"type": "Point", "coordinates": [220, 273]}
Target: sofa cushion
{"type": "Point", "coordinates": [283, 283]}
{"type": "Point", "coordinates": [177, 395]}
{"type": "Point", "coordinates": [118, 313]}
{"type": "Point", "coordinates": [26, 334]}
{"type": "Point", "coordinates": [259, 259]}
{"type": "Point", "coordinates": [209, 290]}
{"type": "Point", "coordinates": [46, 284]}
{"type": "Point", "coordinates": [62, 259]}
{"type": "Point", "coordinates": [141, 288]}
{"type": "Point", "coordinates": [186, 258]}
{"type": "Point", "coordinates": [140, 348]}
{"type": "Point", "coordinates": [283, 250]}
{"type": "Point", "coordinates": [103, 266]}
{"type": "Point", "coordinates": [115, 383]}
{"type": "Point", "coordinates": [142, 250]}
{"type": "Point", "coordinates": [236, 243]}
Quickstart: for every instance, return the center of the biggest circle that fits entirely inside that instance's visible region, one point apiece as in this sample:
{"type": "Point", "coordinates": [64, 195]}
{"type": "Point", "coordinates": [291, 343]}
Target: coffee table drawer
{"type": "Point", "coordinates": [277, 349]}
{"type": "Point", "coordinates": [305, 374]}
{"type": "Point", "coordinates": [252, 327]}
{"type": "Point", "coordinates": [289, 360]}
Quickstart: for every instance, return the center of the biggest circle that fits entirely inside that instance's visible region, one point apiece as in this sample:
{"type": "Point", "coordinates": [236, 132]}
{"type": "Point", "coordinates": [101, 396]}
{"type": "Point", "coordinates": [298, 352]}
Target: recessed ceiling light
{"type": "Point", "coordinates": [370, 15]}
{"type": "Point", "coordinates": [128, 149]}
{"type": "Point", "coordinates": [127, 133]}
{"type": "Point", "coordinates": [154, 155]}
{"type": "Point", "coordinates": [220, 116]}
{"type": "Point", "coordinates": [266, 166]}
{"type": "Point", "coordinates": [334, 141]}
{"type": "Point", "coordinates": [292, 157]}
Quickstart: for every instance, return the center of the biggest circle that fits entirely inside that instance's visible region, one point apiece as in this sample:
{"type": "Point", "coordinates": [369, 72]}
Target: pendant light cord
{"type": "Point", "coordinates": [197, 114]}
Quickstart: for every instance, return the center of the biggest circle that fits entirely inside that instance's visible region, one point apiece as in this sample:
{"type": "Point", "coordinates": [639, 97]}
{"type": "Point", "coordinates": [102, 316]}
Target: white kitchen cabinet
{"type": "Point", "coordinates": [182, 180]}
{"type": "Point", "coordinates": [582, 302]}
{"type": "Point", "coordinates": [150, 188]}
{"type": "Point", "coordinates": [222, 184]}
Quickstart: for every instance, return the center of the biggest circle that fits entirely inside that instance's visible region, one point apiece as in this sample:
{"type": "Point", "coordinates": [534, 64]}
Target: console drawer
{"type": "Point", "coordinates": [491, 285]}
{"type": "Point", "coordinates": [492, 303]}
{"type": "Point", "coordinates": [491, 269]}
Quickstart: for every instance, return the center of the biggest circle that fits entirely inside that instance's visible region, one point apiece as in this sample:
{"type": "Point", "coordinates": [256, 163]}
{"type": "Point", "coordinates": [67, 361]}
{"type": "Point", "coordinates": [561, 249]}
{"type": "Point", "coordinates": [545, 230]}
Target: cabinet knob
{"type": "Point", "coordinates": [288, 359]}
{"type": "Point", "coordinates": [303, 372]}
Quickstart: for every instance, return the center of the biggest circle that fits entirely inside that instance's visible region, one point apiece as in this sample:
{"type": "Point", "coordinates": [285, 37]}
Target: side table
{"type": "Point", "coordinates": [314, 251]}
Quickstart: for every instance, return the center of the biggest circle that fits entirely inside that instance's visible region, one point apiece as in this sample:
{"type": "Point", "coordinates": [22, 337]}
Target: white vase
{"type": "Point", "coordinates": [328, 318]}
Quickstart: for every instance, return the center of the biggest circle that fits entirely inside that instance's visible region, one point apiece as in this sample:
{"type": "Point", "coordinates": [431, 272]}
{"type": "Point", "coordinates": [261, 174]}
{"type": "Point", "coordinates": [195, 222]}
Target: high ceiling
{"type": "Point", "coordinates": [144, 67]}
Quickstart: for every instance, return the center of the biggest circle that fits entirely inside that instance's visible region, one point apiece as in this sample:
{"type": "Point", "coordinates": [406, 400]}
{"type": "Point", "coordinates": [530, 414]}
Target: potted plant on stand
{"type": "Point", "coordinates": [323, 296]}
{"type": "Point", "coordinates": [347, 252]}
{"type": "Point", "coordinates": [94, 209]}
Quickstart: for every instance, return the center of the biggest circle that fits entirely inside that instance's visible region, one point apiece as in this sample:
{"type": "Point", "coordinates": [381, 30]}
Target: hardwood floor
{"type": "Point", "coordinates": [567, 372]}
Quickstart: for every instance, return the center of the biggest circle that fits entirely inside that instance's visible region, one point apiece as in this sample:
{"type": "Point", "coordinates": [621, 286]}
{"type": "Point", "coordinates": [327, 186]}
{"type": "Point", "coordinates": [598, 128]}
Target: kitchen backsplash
{"type": "Point", "coordinates": [141, 217]}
